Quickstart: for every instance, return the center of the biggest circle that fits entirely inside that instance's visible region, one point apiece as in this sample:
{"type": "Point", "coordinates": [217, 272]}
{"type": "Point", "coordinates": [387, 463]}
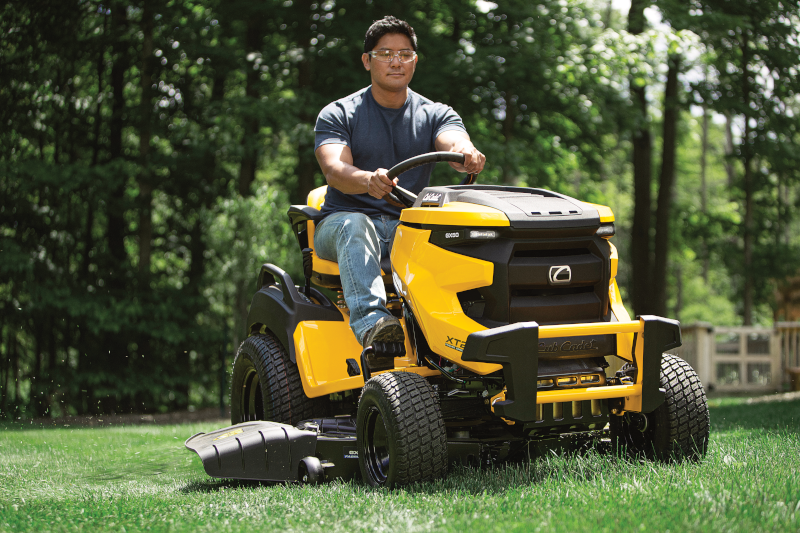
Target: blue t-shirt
{"type": "Point", "coordinates": [381, 137]}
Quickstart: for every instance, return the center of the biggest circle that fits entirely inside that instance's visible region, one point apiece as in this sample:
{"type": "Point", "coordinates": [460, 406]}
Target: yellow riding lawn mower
{"type": "Point", "coordinates": [513, 323]}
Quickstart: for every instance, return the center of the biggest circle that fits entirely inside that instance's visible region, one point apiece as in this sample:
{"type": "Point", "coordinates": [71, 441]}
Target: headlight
{"type": "Point", "coordinates": [606, 230]}
{"type": "Point", "coordinates": [482, 234]}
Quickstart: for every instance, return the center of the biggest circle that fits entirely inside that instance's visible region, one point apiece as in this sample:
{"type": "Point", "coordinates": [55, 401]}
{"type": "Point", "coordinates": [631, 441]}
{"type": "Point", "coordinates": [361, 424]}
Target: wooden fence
{"type": "Point", "coordinates": [742, 359]}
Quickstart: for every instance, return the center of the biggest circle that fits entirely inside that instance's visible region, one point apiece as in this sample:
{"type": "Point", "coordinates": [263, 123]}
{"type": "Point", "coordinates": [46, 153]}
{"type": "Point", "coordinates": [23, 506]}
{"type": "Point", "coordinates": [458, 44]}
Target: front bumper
{"type": "Point", "coordinates": [516, 348]}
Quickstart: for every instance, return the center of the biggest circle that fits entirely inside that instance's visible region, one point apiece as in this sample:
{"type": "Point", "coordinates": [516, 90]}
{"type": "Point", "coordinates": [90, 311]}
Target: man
{"type": "Point", "coordinates": [357, 139]}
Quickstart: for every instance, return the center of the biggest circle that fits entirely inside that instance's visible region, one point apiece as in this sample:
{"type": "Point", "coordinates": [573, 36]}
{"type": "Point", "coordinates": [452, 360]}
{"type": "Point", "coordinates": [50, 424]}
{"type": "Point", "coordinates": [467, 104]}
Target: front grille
{"type": "Point", "coordinates": [532, 296]}
{"type": "Point", "coordinates": [522, 289]}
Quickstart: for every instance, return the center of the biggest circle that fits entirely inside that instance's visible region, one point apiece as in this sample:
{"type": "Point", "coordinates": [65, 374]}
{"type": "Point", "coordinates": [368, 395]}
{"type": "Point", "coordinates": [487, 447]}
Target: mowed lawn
{"type": "Point", "coordinates": [140, 478]}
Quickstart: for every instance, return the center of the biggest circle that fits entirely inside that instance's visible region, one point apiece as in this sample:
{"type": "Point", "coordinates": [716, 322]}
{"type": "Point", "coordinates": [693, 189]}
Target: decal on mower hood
{"type": "Point", "coordinates": [455, 344]}
{"type": "Point", "coordinates": [432, 199]}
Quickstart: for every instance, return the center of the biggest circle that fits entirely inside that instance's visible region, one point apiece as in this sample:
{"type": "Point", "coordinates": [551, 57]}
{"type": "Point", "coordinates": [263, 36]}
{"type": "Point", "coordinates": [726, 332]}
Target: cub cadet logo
{"type": "Point", "coordinates": [432, 197]}
{"type": "Point", "coordinates": [560, 274]}
{"type": "Point", "coordinates": [568, 346]}
{"type": "Point", "coordinates": [230, 434]}
{"type": "Point", "coordinates": [453, 235]}
{"type": "Point", "coordinates": [455, 344]}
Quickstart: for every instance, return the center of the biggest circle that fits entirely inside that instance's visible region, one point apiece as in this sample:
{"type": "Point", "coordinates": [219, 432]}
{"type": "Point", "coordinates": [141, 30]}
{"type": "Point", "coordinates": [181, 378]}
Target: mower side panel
{"type": "Point", "coordinates": [322, 349]}
{"type": "Point", "coordinates": [429, 278]}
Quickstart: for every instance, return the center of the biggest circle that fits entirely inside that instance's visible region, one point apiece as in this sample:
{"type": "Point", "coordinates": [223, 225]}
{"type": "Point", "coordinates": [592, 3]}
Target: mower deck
{"type": "Point", "coordinates": [273, 452]}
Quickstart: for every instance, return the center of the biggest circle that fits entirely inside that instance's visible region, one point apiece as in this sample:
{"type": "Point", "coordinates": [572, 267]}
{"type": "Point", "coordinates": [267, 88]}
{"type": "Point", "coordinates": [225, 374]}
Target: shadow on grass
{"type": "Point", "coordinates": [217, 485]}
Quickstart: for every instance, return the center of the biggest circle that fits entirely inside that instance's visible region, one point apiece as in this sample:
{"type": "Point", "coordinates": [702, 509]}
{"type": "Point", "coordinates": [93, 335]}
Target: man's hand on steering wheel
{"type": "Point", "coordinates": [380, 184]}
{"type": "Point", "coordinates": [459, 142]}
{"type": "Point", "coordinates": [473, 159]}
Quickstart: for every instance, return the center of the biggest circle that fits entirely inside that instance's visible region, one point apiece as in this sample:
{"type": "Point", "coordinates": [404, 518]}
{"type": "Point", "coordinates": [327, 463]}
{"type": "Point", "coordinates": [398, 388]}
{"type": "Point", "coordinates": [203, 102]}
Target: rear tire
{"type": "Point", "coordinates": [401, 433]}
{"type": "Point", "coordinates": [678, 429]}
{"type": "Point", "coordinates": [266, 385]}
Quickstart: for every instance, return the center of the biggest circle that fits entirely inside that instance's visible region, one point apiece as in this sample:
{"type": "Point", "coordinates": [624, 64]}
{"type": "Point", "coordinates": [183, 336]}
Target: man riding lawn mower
{"type": "Point", "coordinates": [511, 313]}
{"type": "Point", "coordinates": [472, 323]}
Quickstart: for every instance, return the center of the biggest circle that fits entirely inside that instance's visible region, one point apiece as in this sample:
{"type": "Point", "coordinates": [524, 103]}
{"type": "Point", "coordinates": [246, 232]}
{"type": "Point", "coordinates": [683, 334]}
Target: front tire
{"type": "Point", "coordinates": [266, 385]}
{"type": "Point", "coordinates": [401, 433]}
{"type": "Point", "coordinates": [678, 429]}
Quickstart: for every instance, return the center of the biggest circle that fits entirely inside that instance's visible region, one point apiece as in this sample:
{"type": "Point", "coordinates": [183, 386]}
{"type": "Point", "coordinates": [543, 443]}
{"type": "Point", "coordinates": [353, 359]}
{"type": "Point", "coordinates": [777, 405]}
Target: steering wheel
{"type": "Point", "coordinates": [405, 198]}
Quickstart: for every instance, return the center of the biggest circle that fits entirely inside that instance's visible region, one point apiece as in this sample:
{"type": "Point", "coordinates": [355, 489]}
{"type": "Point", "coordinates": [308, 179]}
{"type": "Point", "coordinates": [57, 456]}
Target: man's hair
{"type": "Point", "coordinates": [385, 26]}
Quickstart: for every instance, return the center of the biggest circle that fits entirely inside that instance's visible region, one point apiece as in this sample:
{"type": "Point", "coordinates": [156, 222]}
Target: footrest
{"type": "Point", "coordinates": [380, 356]}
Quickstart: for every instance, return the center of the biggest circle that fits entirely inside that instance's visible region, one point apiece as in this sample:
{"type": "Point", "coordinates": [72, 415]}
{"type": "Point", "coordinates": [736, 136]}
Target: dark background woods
{"type": "Point", "coordinates": [149, 150]}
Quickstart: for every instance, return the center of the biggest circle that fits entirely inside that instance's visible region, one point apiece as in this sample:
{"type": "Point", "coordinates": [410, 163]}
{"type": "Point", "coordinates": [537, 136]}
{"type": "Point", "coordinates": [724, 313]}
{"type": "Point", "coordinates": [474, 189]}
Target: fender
{"type": "Point", "coordinates": [279, 304]}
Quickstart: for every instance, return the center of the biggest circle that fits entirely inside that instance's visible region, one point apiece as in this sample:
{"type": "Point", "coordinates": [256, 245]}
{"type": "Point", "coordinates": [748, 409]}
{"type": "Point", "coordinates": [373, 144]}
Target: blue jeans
{"type": "Point", "coordinates": [358, 242]}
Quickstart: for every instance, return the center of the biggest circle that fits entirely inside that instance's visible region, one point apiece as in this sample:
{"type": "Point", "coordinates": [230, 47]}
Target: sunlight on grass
{"type": "Point", "coordinates": [141, 478]}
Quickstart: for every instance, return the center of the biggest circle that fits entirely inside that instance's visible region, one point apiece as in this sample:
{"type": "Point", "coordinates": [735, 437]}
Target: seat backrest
{"type": "Point", "coordinates": [317, 197]}
{"type": "Point", "coordinates": [324, 273]}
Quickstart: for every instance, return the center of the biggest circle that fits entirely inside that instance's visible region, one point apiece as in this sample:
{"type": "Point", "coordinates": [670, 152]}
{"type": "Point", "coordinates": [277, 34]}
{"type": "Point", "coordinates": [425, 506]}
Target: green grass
{"type": "Point", "coordinates": [142, 479]}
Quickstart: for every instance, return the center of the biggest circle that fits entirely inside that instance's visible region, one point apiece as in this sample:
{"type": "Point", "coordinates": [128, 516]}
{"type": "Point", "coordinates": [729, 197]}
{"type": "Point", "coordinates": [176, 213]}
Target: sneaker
{"type": "Point", "coordinates": [387, 329]}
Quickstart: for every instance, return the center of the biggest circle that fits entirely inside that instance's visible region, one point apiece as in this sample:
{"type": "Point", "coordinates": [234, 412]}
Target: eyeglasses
{"type": "Point", "coordinates": [386, 56]}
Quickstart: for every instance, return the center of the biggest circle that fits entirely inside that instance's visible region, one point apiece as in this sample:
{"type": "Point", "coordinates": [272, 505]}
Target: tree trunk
{"type": "Point", "coordinates": [678, 292]}
{"type": "Point", "coordinates": [704, 189]}
{"type": "Point", "coordinates": [747, 158]}
{"type": "Point", "coordinates": [109, 359]}
{"type": "Point", "coordinates": [145, 178]}
{"type": "Point", "coordinates": [37, 399]}
{"type": "Point", "coordinates": [607, 15]}
{"type": "Point", "coordinates": [145, 181]}
{"type": "Point", "coordinates": [4, 367]}
{"type": "Point", "coordinates": [247, 171]}
{"type": "Point", "coordinates": [116, 222]}
{"type": "Point", "coordinates": [747, 310]}
{"type": "Point", "coordinates": [8, 405]}
{"type": "Point", "coordinates": [307, 165]}
{"type": "Point", "coordinates": [642, 172]}
{"type": "Point", "coordinates": [306, 168]}
{"type": "Point", "coordinates": [666, 188]}
{"type": "Point", "coordinates": [508, 135]}
{"type": "Point", "coordinates": [729, 169]}
{"type": "Point", "coordinates": [15, 374]}
{"type": "Point", "coordinates": [52, 371]}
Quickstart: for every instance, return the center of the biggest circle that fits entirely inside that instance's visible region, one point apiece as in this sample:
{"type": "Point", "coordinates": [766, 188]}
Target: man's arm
{"type": "Point", "coordinates": [458, 141]}
{"type": "Point", "coordinates": [336, 162]}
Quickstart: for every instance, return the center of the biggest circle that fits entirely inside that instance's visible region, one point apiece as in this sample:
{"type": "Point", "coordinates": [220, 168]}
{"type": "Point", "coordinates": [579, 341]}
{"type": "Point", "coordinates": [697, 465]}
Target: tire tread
{"type": "Point", "coordinates": [284, 398]}
{"type": "Point", "coordinates": [420, 436]}
{"type": "Point", "coordinates": [679, 428]}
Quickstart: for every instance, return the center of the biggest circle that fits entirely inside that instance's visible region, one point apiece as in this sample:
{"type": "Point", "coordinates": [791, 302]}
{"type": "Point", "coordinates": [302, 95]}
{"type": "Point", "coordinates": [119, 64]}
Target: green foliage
{"type": "Point", "coordinates": [202, 164]}
{"type": "Point", "coordinates": [243, 234]}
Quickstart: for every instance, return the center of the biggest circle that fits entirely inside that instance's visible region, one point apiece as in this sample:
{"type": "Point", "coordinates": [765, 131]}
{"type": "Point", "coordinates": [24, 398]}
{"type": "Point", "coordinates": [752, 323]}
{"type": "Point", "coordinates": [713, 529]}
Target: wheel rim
{"type": "Point", "coordinates": [376, 446]}
{"type": "Point", "coordinates": [252, 397]}
{"type": "Point", "coordinates": [636, 439]}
